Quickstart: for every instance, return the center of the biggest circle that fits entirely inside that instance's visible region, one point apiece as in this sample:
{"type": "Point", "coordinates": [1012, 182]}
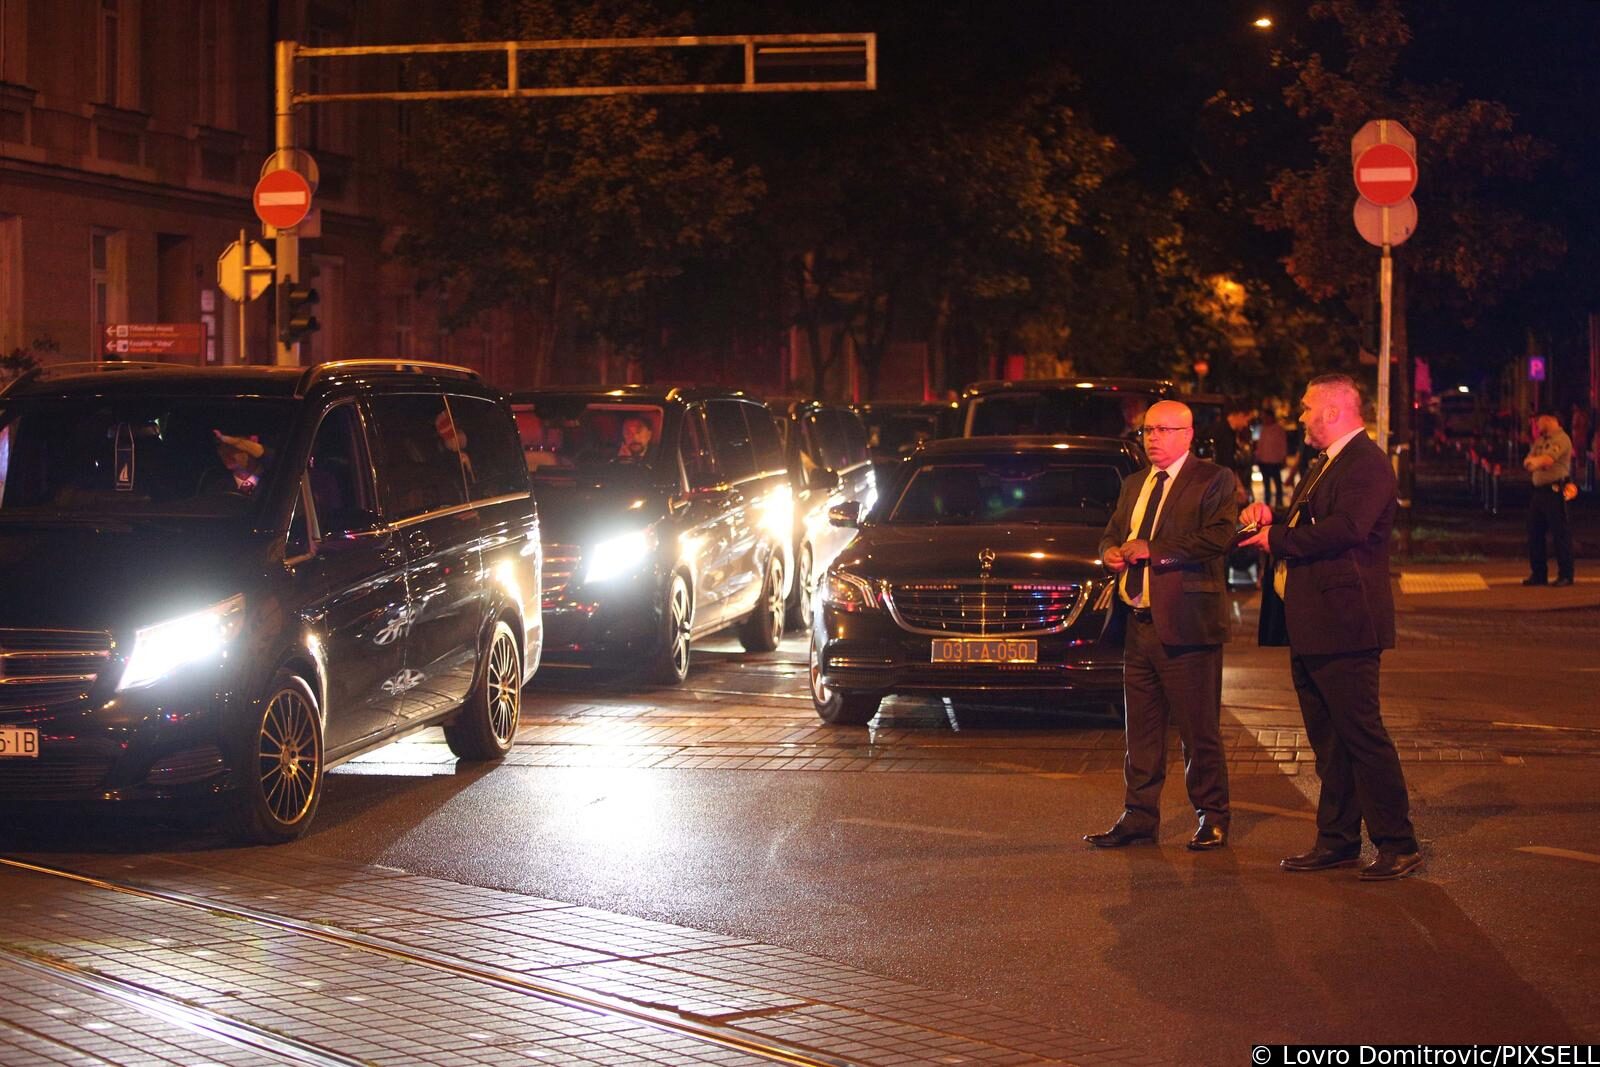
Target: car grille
{"type": "Point", "coordinates": [43, 668]}
{"type": "Point", "coordinates": [46, 775]}
{"type": "Point", "coordinates": [985, 608]}
{"type": "Point", "coordinates": [560, 562]}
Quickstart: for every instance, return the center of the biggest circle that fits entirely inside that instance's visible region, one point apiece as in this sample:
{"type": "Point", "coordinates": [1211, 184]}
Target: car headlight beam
{"type": "Point", "coordinates": [616, 557]}
{"type": "Point", "coordinates": [198, 637]}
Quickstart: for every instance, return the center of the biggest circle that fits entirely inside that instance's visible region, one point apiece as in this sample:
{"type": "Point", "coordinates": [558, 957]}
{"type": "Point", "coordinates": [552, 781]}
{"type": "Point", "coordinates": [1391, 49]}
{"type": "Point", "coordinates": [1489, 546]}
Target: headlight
{"type": "Point", "coordinates": [848, 592]}
{"type": "Point", "coordinates": [165, 647]}
{"type": "Point", "coordinates": [617, 556]}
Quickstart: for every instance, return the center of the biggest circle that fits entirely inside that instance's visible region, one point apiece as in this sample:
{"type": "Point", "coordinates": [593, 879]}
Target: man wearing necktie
{"type": "Point", "coordinates": [1329, 600]}
{"type": "Point", "coordinates": [1166, 542]}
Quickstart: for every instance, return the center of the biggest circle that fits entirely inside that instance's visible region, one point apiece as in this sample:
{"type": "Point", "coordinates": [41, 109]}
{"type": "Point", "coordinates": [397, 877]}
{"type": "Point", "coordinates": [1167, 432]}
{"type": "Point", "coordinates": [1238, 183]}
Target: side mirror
{"type": "Point", "coordinates": [822, 480]}
{"type": "Point", "coordinates": [847, 514]}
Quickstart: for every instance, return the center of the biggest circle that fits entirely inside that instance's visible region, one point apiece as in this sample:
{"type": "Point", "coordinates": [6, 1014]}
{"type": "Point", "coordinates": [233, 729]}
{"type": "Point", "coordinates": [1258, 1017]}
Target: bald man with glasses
{"type": "Point", "coordinates": [1166, 543]}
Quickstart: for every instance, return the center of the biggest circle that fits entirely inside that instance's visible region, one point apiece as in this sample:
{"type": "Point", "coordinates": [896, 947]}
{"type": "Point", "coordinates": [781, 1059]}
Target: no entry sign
{"type": "Point", "coordinates": [282, 199]}
{"type": "Point", "coordinates": [1386, 174]}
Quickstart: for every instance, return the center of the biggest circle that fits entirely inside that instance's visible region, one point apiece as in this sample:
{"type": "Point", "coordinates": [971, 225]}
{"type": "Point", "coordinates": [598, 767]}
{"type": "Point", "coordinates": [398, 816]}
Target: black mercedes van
{"type": "Point", "coordinates": [667, 516]}
{"type": "Point", "coordinates": [221, 582]}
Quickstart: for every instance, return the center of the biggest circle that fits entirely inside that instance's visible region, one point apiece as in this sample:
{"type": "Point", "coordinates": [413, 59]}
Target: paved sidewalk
{"type": "Point", "coordinates": [1488, 585]}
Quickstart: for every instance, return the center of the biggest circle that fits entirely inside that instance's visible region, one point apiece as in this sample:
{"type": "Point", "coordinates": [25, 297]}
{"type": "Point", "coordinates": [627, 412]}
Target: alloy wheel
{"type": "Point", "coordinates": [678, 612]}
{"type": "Point", "coordinates": [290, 756]}
{"type": "Point", "coordinates": [505, 688]}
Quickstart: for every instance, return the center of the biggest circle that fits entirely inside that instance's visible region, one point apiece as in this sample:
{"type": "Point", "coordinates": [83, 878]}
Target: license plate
{"type": "Point", "coordinates": [19, 741]}
{"type": "Point", "coordinates": [984, 650]}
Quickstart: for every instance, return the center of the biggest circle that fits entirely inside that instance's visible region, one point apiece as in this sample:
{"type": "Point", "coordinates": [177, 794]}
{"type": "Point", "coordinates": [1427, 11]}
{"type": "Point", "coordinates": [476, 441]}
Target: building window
{"type": "Point", "coordinates": [108, 286]}
{"type": "Point", "coordinates": [110, 52]}
{"type": "Point", "coordinates": [11, 328]}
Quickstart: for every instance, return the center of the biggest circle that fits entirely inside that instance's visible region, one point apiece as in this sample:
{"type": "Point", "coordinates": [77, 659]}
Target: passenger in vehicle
{"type": "Point", "coordinates": [241, 458]}
{"type": "Point", "coordinates": [636, 440]}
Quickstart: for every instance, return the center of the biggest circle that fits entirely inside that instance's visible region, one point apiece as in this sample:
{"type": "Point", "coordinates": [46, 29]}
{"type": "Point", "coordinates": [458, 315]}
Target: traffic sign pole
{"type": "Point", "coordinates": [287, 257]}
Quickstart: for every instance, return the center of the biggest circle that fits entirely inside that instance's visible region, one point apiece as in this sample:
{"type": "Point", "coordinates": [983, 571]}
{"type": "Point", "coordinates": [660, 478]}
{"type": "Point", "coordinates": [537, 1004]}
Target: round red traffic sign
{"type": "Point", "coordinates": [282, 199]}
{"type": "Point", "coordinates": [1386, 174]}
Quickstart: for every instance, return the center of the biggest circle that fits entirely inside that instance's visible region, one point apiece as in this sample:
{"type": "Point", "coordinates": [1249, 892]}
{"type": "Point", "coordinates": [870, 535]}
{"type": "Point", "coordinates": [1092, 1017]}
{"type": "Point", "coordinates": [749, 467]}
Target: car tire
{"type": "Point", "coordinates": [669, 664]}
{"type": "Point", "coordinates": [799, 616]}
{"type": "Point", "coordinates": [838, 707]}
{"type": "Point", "coordinates": [283, 768]}
{"type": "Point", "coordinates": [486, 725]}
{"type": "Point", "coordinates": [763, 630]}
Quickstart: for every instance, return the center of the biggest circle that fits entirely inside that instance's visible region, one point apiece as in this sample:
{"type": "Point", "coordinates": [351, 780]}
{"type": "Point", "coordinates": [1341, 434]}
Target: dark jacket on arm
{"type": "Point", "coordinates": [1336, 595]}
{"type": "Point", "coordinates": [1188, 589]}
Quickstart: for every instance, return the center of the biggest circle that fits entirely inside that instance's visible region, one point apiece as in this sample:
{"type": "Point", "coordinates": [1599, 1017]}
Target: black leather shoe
{"type": "Point", "coordinates": [1322, 859]}
{"type": "Point", "coordinates": [1391, 865]}
{"type": "Point", "coordinates": [1530, 580]}
{"type": "Point", "coordinates": [1562, 581]}
{"type": "Point", "coordinates": [1120, 836]}
{"type": "Point", "coordinates": [1208, 837]}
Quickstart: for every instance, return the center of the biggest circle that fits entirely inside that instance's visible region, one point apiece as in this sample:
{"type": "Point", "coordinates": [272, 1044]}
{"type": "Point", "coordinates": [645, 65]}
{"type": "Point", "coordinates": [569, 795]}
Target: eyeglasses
{"type": "Point", "coordinates": [1165, 429]}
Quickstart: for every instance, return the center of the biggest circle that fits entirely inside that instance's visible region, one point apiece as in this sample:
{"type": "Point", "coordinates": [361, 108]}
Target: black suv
{"type": "Point", "coordinates": [220, 582]}
{"type": "Point", "coordinates": [829, 465]}
{"type": "Point", "coordinates": [667, 516]}
{"type": "Point", "coordinates": [1096, 407]}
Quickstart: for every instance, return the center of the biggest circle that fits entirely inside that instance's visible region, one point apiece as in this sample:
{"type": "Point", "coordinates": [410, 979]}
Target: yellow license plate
{"type": "Point", "coordinates": [984, 650]}
{"type": "Point", "coordinates": [19, 741]}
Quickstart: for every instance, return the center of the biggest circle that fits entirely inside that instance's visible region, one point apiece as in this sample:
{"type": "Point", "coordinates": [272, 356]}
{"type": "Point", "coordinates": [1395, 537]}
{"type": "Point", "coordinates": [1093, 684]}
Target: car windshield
{"type": "Point", "coordinates": [570, 437]}
{"type": "Point", "coordinates": [143, 456]}
{"type": "Point", "coordinates": [1009, 489]}
{"type": "Point", "coordinates": [1092, 412]}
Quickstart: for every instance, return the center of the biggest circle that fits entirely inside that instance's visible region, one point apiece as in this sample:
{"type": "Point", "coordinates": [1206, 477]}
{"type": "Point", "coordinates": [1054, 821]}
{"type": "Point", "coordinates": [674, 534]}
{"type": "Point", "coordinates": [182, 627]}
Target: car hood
{"type": "Point", "coordinates": [582, 514]}
{"type": "Point", "coordinates": [910, 553]}
{"type": "Point", "coordinates": [118, 577]}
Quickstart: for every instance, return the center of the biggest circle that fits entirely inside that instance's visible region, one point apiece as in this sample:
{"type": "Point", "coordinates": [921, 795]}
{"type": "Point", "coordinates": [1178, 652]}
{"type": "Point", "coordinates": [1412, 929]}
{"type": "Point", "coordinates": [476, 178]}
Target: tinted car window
{"type": "Point", "coordinates": [419, 466]}
{"type": "Point", "coordinates": [341, 485]}
{"type": "Point", "coordinates": [1009, 489]}
{"type": "Point", "coordinates": [1091, 412]}
{"type": "Point", "coordinates": [825, 441]}
{"type": "Point", "coordinates": [698, 466]}
{"type": "Point", "coordinates": [730, 439]}
{"type": "Point", "coordinates": [568, 436]}
{"type": "Point", "coordinates": [855, 437]}
{"type": "Point", "coordinates": [765, 437]}
{"type": "Point", "coordinates": [138, 455]}
{"type": "Point", "coordinates": [490, 451]}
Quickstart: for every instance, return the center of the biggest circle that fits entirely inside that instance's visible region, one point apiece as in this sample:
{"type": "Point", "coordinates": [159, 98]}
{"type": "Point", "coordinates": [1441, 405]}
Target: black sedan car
{"type": "Point", "coordinates": [977, 572]}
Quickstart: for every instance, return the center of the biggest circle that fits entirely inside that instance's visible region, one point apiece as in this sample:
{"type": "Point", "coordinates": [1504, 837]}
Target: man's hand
{"type": "Point", "coordinates": [1255, 512]}
{"type": "Point", "coordinates": [1257, 539]}
{"type": "Point", "coordinates": [1539, 462]}
{"type": "Point", "coordinates": [1113, 559]}
{"type": "Point", "coordinates": [1135, 550]}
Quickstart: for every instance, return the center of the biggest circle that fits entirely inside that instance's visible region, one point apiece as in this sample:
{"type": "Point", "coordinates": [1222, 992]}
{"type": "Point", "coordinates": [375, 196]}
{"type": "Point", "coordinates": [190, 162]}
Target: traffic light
{"type": "Point", "coordinates": [296, 316]}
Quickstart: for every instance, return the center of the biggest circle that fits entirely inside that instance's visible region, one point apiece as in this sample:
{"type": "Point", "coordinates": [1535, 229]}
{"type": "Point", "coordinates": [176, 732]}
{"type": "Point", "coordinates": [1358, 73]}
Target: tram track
{"type": "Point", "coordinates": [288, 1049]}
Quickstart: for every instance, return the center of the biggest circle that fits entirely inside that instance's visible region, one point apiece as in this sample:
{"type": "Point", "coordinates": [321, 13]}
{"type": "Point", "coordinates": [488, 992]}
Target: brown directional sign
{"type": "Point", "coordinates": [155, 339]}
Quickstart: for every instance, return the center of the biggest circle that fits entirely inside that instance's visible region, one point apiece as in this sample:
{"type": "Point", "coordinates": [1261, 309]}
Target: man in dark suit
{"type": "Point", "coordinates": [1328, 599]}
{"type": "Point", "coordinates": [1166, 541]}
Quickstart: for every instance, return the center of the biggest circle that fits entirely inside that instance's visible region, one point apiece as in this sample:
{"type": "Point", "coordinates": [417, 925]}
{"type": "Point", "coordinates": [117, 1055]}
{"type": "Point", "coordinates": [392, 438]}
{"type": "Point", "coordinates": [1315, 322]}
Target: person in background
{"type": "Point", "coordinates": [1272, 451]}
{"type": "Point", "coordinates": [1549, 464]}
{"type": "Point", "coordinates": [242, 458]}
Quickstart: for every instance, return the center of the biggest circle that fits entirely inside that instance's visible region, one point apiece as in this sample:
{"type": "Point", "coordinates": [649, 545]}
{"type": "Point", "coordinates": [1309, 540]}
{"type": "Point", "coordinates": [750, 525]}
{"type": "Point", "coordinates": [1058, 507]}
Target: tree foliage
{"type": "Point", "coordinates": [577, 208]}
{"type": "Point", "coordinates": [1474, 242]}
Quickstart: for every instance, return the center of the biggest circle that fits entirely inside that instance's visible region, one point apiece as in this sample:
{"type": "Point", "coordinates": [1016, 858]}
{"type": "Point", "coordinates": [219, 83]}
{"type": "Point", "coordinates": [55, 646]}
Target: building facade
{"type": "Point", "coordinates": [132, 133]}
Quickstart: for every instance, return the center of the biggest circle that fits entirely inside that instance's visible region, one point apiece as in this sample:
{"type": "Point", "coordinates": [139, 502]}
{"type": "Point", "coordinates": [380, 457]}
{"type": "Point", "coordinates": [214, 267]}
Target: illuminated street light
{"type": "Point", "coordinates": [1262, 23]}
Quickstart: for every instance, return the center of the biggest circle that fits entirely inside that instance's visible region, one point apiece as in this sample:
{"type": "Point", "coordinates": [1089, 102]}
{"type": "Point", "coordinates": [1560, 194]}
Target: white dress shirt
{"type": "Point", "coordinates": [1137, 519]}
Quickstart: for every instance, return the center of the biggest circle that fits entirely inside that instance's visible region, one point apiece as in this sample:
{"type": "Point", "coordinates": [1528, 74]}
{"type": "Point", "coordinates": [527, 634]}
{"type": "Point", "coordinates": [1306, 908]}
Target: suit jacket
{"type": "Point", "coordinates": [1336, 594]}
{"type": "Point", "coordinates": [1187, 550]}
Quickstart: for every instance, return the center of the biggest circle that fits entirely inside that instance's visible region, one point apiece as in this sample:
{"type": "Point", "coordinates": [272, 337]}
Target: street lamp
{"type": "Point", "coordinates": [1263, 23]}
